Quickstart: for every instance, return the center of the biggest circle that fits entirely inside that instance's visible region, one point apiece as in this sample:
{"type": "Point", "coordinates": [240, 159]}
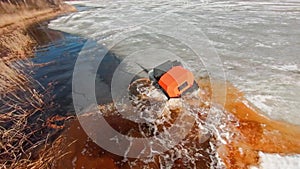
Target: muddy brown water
{"type": "Point", "coordinates": [251, 133]}
{"type": "Point", "coordinates": [56, 56]}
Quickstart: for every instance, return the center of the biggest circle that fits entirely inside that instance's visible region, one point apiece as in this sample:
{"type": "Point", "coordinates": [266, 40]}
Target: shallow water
{"type": "Point", "coordinates": [257, 41]}
{"type": "Point", "coordinates": [54, 63]}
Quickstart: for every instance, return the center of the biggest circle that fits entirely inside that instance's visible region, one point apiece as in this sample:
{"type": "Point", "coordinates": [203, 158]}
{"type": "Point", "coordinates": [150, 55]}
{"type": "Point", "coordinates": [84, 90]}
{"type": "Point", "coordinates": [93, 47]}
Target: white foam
{"type": "Point", "coordinates": [122, 15]}
{"type": "Point", "coordinates": [276, 161]}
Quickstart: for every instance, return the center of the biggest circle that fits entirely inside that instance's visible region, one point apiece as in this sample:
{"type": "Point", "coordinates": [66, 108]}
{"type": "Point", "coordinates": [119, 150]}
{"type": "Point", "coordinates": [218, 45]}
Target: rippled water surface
{"type": "Point", "coordinates": [257, 41]}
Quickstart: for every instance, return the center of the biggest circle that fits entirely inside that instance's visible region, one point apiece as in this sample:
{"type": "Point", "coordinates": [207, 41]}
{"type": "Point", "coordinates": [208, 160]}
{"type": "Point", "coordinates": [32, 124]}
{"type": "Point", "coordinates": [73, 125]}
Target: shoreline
{"type": "Point", "coordinates": [58, 143]}
{"type": "Point", "coordinates": [22, 139]}
{"type": "Point", "coordinates": [15, 40]}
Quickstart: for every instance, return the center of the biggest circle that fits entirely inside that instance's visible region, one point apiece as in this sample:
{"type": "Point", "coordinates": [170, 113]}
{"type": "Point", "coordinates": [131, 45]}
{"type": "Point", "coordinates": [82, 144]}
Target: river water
{"type": "Point", "coordinates": [257, 41]}
{"type": "Point", "coordinates": [256, 44]}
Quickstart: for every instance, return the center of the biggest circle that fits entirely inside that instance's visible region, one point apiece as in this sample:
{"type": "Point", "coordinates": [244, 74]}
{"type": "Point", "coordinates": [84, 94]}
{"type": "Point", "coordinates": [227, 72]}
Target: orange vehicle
{"type": "Point", "coordinates": [173, 79]}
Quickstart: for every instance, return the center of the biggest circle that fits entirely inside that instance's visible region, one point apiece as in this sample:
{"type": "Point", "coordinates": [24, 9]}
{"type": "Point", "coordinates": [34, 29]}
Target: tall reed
{"type": "Point", "coordinates": [23, 129]}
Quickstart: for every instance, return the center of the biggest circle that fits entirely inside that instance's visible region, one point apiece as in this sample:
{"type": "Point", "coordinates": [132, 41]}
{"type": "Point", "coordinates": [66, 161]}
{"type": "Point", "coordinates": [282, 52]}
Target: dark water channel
{"type": "Point", "coordinates": [54, 62]}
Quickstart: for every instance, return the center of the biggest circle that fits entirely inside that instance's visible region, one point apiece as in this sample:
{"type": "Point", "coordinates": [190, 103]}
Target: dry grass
{"type": "Point", "coordinates": [26, 140]}
{"type": "Point", "coordinates": [17, 18]}
{"type": "Point", "coordinates": [19, 102]}
{"type": "Point", "coordinates": [47, 156]}
{"type": "Point", "coordinates": [16, 11]}
{"type": "Point", "coordinates": [16, 44]}
{"type": "Point", "coordinates": [16, 6]}
{"type": "Point", "coordinates": [24, 128]}
{"type": "Point", "coordinates": [24, 134]}
{"type": "Point", "coordinates": [11, 78]}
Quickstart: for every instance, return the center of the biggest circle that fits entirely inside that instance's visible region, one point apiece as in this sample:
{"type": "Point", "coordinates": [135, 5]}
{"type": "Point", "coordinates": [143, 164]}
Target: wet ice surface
{"type": "Point", "coordinates": [276, 161]}
{"type": "Point", "coordinates": [258, 42]}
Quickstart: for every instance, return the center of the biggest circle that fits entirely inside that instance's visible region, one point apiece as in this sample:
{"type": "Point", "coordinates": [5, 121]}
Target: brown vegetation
{"type": "Point", "coordinates": [16, 6]}
{"type": "Point", "coordinates": [16, 17]}
{"type": "Point", "coordinates": [16, 45]}
{"type": "Point", "coordinates": [24, 129]}
{"type": "Point", "coordinates": [20, 104]}
{"type": "Point", "coordinates": [26, 135]}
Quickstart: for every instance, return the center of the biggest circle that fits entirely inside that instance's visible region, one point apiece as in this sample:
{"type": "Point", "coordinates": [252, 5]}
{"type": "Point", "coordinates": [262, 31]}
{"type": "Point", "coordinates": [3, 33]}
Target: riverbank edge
{"type": "Point", "coordinates": [15, 40]}
{"type": "Point", "coordinates": [18, 149]}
